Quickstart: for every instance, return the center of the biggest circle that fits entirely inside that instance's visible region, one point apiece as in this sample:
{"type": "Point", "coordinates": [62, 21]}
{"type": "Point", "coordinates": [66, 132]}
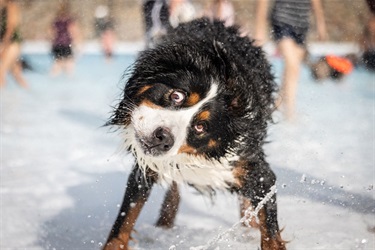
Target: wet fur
{"type": "Point", "coordinates": [194, 57]}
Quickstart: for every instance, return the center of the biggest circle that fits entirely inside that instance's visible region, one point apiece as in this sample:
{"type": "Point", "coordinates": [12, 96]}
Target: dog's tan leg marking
{"type": "Point", "coordinates": [239, 173]}
{"type": "Point", "coordinates": [170, 207]}
{"type": "Point", "coordinates": [242, 173]}
{"type": "Point", "coordinates": [121, 241]}
{"type": "Point", "coordinates": [268, 242]}
{"type": "Point", "coordinates": [245, 203]}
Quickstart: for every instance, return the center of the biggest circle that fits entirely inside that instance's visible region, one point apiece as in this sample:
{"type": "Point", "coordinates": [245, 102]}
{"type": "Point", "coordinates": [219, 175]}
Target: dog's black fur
{"type": "Point", "coordinates": [190, 58]}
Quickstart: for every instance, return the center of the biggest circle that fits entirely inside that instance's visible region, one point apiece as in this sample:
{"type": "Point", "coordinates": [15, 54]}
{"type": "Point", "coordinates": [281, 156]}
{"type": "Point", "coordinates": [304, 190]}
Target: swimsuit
{"type": "Point", "coordinates": [291, 18]}
{"type": "Point", "coordinates": [62, 43]}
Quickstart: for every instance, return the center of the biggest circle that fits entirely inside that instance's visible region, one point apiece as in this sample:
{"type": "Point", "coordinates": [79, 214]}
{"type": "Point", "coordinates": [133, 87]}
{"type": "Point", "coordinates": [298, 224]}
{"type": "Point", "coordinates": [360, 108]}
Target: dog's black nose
{"type": "Point", "coordinates": [162, 140]}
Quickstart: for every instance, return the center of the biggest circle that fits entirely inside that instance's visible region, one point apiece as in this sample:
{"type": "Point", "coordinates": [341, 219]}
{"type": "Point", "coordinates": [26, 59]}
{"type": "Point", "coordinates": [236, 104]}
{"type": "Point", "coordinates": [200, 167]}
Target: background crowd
{"type": "Point", "coordinates": [287, 22]}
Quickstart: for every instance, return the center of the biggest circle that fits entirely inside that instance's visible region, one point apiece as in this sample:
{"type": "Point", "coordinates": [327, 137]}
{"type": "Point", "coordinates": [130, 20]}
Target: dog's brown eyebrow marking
{"type": "Point", "coordinates": [212, 143]}
{"type": "Point", "coordinates": [144, 89]}
{"type": "Point", "coordinates": [149, 104]}
{"type": "Point", "coordinates": [204, 115]}
{"type": "Point", "coordinates": [187, 149]}
{"type": "Point", "coordinates": [193, 99]}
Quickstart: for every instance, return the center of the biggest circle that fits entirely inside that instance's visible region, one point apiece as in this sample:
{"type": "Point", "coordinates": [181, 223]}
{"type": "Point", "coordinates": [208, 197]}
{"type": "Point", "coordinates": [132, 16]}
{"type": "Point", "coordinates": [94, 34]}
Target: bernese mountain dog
{"type": "Point", "coordinates": [195, 110]}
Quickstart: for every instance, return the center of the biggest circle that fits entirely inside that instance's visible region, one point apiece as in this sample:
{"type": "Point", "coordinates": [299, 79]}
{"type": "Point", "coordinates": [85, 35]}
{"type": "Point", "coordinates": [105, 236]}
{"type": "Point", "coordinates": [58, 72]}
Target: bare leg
{"type": "Point", "coordinates": [293, 56]}
{"type": "Point", "coordinates": [69, 65]}
{"type": "Point", "coordinates": [108, 39]}
{"type": "Point", "coordinates": [56, 67]}
{"type": "Point", "coordinates": [7, 61]}
{"type": "Point", "coordinates": [17, 73]}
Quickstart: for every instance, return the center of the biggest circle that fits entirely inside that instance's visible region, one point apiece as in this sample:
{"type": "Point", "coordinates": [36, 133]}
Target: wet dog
{"type": "Point", "coordinates": [195, 110]}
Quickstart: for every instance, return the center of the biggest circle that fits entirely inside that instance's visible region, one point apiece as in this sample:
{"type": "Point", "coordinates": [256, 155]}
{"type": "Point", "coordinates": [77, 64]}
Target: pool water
{"type": "Point", "coordinates": [63, 173]}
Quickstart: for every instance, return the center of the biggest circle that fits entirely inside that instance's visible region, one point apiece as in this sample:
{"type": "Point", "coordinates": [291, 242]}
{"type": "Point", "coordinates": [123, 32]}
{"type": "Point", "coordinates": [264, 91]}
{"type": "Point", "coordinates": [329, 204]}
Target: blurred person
{"type": "Point", "coordinates": [368, 39]}
{"type": "Point", "coordinates": [181, 11]}
{"type": "Point", "coordinates": [65, 35]}
{"type": "Point", "coordinates": [161, 15]}
{"type": "Point", "coordinates": [290, 21]}
{"type": "Point", "coordinates": [104, 27]}
{"type": "Point", "coordinates": [222, 10]}
{"type": "Point", "coordinates": [368, 45]}
{"type": "Point", "coordinates": [371, 5]}
{"type": "Point", "coordinates": [10, 42]}
{"type": "Point", "coordinates": [156, 19]}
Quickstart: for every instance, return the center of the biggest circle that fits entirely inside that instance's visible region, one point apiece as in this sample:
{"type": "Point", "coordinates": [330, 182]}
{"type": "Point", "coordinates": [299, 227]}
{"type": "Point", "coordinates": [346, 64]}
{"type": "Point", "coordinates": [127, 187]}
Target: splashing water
{"type": "Point", "coordinates": [249, 215]}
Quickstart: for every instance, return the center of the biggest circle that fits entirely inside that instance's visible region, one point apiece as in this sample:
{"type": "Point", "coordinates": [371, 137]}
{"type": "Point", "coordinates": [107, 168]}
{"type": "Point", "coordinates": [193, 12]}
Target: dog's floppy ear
{"type": "Point", "coordinates": [222, 59]}
{"type": "Point", "coordinates": [233, 93]}
{"type": "Point", "coordinates": [120, 116]}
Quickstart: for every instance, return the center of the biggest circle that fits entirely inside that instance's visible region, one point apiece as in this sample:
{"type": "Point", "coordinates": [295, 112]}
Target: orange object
{"type": "Point", "coordinates": [341, 64]}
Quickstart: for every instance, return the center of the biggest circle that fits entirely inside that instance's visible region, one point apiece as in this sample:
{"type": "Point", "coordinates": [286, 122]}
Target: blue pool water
{"type": "Point", "coordinates": [63, 174]}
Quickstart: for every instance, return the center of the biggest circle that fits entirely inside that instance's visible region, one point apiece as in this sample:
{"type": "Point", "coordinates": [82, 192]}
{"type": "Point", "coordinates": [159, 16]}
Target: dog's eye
{"type": "Point", "coordinates": [200, 128]}
{"type": "Point", "coordinates": [177, 97]}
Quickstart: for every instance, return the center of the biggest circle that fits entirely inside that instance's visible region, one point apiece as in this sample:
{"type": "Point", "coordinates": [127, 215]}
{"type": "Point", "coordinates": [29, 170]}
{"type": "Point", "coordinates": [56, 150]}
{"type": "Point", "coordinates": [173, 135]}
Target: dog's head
{"type": "Point", "coordinates": [194, 102]}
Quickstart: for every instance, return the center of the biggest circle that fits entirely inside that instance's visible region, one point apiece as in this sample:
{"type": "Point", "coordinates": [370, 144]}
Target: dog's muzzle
{"type": "Point", "coordinates": [160, 142]}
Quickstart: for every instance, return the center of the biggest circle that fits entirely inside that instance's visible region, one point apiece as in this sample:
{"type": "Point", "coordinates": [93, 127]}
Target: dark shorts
{"type": "Point", "coordinates": [61, 52]}
{"type": "Point", "coordinates": [286, 30]}
{"type": "Point", "coordinates": [368, 59]}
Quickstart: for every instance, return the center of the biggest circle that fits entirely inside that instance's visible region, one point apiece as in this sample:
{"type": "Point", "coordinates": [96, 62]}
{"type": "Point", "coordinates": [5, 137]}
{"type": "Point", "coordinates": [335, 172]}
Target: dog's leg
{"type": "Point", "coordinates": [137, 191]}
{"type": "Point", "coordinates": [169, 208]}
{"type": "Point", "coordinates": [245, 204]}
{"type": "Point", "coordinates": [255, 181]}
{"type": "Point", "coordinates": [269, 230]}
